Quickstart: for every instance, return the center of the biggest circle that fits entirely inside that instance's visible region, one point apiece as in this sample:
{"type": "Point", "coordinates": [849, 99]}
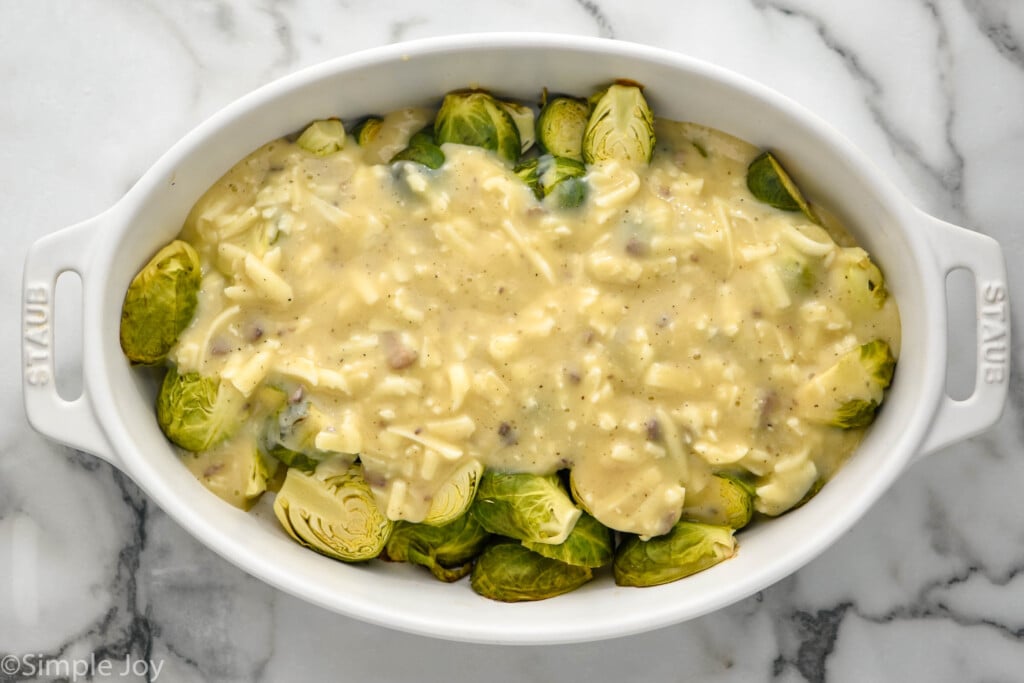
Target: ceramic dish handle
{"type": "Point", "coordinates": [956, 247]}
{"type": "Point", "coordinates": [71, 422]}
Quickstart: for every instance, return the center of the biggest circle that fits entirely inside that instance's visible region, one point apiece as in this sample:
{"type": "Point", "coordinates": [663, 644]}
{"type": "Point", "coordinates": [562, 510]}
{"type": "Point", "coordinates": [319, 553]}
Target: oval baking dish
{"type": "Point", "coordinates": [113, 418]}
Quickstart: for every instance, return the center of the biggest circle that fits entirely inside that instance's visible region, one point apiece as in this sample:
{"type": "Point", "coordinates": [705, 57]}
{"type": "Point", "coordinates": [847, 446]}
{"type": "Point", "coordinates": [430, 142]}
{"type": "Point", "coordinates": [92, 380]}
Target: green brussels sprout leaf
{"type": "Point", "coordinates": [527, 172]}
{"type": "Point", "coordinates": [367, 130]}
{"type": "Point", "coordinates": [197, 412]}
{"type": "Point", "coordinates": [590, 544]}
{"type": "Point", "coordinates": [848, 394]}
{"type": "Point", "coordinates": [688, 548]}
{"type": "Point", "coordinates": [294, 459]}
{"type": "Point", "coordinates": [561, 125]}
{"type": "Point", "coordinates": [528, 507]}
{"type": "Point", "coordinates": [508, 572]}
{"type": "Point", "coordinates": [858, 281]}
{"type": "Point", "coordinates": [160, 303]}
{"type": "Point", "coordinates": [769, 183]}
{"type": "Point", "coordinates": [233, 470]}
{"type": "Point", "coordinates": [523, 117]}
{"type": "Point", "coordinates": [557, 177]}
{"type": "Point", "coordinates": [336, 515]}
{"type": "Point", "coordinates": [447, 551]}
{"type": "Point", "coordinates": [725, 501]}
{"type": "Point", "coordinates": [453, 499]}
{"type": "Point", "coordinates": [323, 137]}
{"type": "Point", "coordinates": [621, 127]}
{"type": "Point", "coordinates": [476, 118]}
{"type": "Point", "coordinates": [422, 150]}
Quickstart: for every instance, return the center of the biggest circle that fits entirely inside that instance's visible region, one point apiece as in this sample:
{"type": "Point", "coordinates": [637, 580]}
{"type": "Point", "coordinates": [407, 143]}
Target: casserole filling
{"type": "Point", "coordinates": [424, 325]}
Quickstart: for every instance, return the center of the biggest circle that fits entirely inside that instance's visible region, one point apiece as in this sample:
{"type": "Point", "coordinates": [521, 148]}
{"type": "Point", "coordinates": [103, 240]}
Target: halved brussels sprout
{"type": "Point", "coordinates": [160, 303]}
{"type": "Point", "coordinates": [447, 551]}
{"type": "Point", "coordinates": [558, 177]}
{"type": "Point", "coordinates": [848, 394]}
{"type": "Point", "coordinates": [769, 183]}
{"type": "Point", "coordinates": [294, 459]}
{"type": "Point", "coordinates": [511, 573]}
{"type": "Point", "coordinates": [234, 470]}
{"type": "Point", "coordinates": [335, 515]}
{"type": "Point", "coordinates": [323, 137]}
{"type": "Point", "coordinates": [688, 548]}
{"type": "Point", "coordinates": [857, 281]}
{"type": "Point", "coordinates": [453, 499]}
{"type": "Point", "coordinates": [560, 127]}
{"type": "Point", "coordinates": [523, 117]}
{"type": "Point", "coordinates": [197, 412]}
{"type": "Point", "coordinates": [367, 130]}
{"type": "Point", "coordinates": [621, 127]}
{"type": "Point", "coordinates": [298, 425]}
{"type": "Point", "coordinates": [526, 169]}
{"type": "Point", "coordinates": [725, 501]}
{"type": "Point", "coordinates": [476, 118]}
{"type": "Point", "coordinates": [796, 270]}
{"type": "Point", "coordinates": [590, 544]}
{"type": "Point", "coordinates": [529, 507]}
{"type": "Point", "coordinates": [423, 150]}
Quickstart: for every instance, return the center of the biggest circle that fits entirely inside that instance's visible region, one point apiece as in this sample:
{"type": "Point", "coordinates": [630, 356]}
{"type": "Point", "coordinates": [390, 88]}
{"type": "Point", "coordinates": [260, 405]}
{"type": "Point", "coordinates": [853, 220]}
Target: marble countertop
{"type": "Point", "coordinates": [928, 586]}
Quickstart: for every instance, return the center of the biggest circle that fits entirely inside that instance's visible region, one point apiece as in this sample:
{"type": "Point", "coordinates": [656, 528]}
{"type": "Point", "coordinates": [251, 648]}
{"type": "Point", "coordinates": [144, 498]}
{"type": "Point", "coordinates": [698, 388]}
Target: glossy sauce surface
{"type": "Point", "coordinates": [645, 340]}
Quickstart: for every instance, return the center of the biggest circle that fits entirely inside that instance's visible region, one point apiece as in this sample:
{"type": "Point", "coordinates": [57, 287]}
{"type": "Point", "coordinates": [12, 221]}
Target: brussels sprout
{"type": "Point", "coordinates": [511, 573]}
{"type": "Point", "coordinates": [725, 501]}
{"type": "Point", "coordinates": [234, 470]}
{"type": "Point", "coordinates": [476, 118]}
{"type": "Point", "coordinates": [367, 130]}
{"type": "Point", "coordinates": [526, 169]}
{"type": "Point", "coordinates": [558, 177]}
{"type": "Point", "coordinates": [456, 495]}
{"type": "Point", "coordinates": [688, 548]}
{"type": "Point", "coordinates": [292, 436]}
{"type": "Point", "coordinates": [857, 281]}
{"type": "Point", "coordinates": [560, 127]}
{"type": "Point", "coordinates": [323, 137]}
{"type": "Point", "coordinates": [159, 303]}
{"type": "Point", "coordinates": [197, 412]}
{"type": "Point", "coordinates": [447, 551]}
{"type": "Point", "coordinates": [621, 127]}
{"type": "Point", "coordinates": [528, 507]}
{"type": "Point", "coordinates": [848, 394]}
{"type": "Point", "coordinates": [292, 458]}
{"type": "Point", "coordinates": [796, 271]}
{"type": "Point", "coordinates": [590, 544]}
{"type": "Point", "coordinates": [423, 150]}
{"type": "Point", "coordinates": [335, 515]}
{"type": "Point", "coordinates": [769, 183]}
{"type": "Point", "coordinates": [298, 425]}
{"type": "Point", "coordinates": [523, 117]}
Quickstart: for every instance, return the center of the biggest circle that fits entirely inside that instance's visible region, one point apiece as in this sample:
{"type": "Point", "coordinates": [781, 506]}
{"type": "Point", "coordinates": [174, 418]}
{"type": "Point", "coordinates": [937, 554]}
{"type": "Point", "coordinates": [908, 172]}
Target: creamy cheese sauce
{"type": "Point", "coordinates": [651, 337]}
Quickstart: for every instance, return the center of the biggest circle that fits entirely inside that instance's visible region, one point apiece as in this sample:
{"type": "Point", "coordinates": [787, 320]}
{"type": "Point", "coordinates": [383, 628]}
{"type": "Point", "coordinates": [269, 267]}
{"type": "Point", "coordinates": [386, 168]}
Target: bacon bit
{"type": "Point", "coordinates": [653, 428]}
{"type": "Point", "coordinates": [767, 403]}
{"type": "Point", "coordinates": [398, 355]}
{"type": "Point", "coordinates": [219, 346]}
{"type": "Point", "coordinates": [212, 470]}
{"type": "Point", "coordinates": [635, 247]}
{"type": "Point", "coordinates": [254, 333]}
{"type": "Point", "coordinates": [507, 434]}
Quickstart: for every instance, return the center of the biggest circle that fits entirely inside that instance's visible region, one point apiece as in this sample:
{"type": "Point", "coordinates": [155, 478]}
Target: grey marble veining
{"type": "Point", "coordinates": [928, 586]}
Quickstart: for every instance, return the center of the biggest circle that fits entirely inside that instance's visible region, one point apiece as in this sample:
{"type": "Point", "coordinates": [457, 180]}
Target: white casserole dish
{"type": "Point", "coordinates": [114, 417]}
